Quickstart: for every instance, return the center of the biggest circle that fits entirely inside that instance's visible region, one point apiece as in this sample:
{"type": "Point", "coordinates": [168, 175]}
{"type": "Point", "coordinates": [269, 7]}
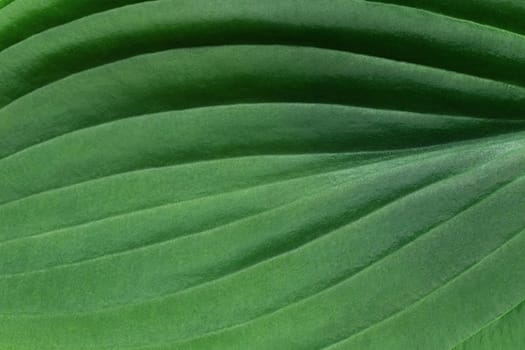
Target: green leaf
{"type": "Point", "coordinates": [278, 174]}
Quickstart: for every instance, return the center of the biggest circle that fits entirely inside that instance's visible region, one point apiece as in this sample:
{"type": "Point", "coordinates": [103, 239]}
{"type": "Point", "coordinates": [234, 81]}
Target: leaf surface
{"type": "Point", "coordinates": [289, 174]}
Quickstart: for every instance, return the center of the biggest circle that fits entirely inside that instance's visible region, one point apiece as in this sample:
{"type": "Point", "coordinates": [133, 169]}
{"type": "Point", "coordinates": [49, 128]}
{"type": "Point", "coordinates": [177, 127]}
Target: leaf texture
{"type": "Point", "coordinates": [332, 174]}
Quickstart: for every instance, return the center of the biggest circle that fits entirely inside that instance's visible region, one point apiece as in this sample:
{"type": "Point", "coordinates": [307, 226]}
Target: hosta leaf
{"type": "Point", "coordinates": [332, 174]}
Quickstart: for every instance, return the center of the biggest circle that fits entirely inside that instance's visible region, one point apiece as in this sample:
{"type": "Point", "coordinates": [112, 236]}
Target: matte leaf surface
{"type": "Point", "coordinates": [278, 174]}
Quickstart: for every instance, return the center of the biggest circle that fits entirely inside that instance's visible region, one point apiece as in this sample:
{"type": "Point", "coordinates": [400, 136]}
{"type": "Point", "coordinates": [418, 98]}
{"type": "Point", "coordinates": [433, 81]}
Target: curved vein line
{"type": "Point", "coordinates": [53, 139]}
{"type": "Point", "coordinates": [379, 3]}
{"type": "Point", "coordinates": [210, 107]}
{"type": "Point", "coordinates": [186, 164]}
{"type": "Point", "coordinates": [416, 303]}
{"type": "Point", "coordinates": [420, 66]}
{"type": "Point", "coordinates": [474, 22]}
{"type": "Point", "coordinates": [5, 4]}
{"type": "Point", "coordinates": [490, 323]}
{"type": "Point", "coordinates": [83, 15]}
